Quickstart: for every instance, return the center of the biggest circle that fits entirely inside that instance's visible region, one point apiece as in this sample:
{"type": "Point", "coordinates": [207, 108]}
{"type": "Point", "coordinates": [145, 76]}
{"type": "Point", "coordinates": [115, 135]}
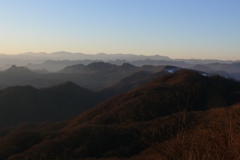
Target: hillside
{"type": "Point", "coordinates": [142, 76]}
{"type": "Point", "coordinates": [27, 104]}
{"type": "Point", "coordinates": [164, 119]}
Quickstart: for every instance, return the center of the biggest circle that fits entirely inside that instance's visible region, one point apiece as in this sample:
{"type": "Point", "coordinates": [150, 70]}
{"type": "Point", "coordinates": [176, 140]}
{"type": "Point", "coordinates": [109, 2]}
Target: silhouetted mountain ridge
{"type": "Point", "coordinates": [27, 104]}
{"type": "Point", "coordinates": [18, 70]}
{"type": "Point", "coordinates": [100, 66]}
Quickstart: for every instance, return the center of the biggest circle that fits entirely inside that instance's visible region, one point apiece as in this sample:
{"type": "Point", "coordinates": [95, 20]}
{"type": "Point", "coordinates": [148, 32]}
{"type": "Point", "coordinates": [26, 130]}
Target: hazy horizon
{"type": "Point", "coordinates": [188, 58]}
{"type": "Point", "coordinates": [177, 29]}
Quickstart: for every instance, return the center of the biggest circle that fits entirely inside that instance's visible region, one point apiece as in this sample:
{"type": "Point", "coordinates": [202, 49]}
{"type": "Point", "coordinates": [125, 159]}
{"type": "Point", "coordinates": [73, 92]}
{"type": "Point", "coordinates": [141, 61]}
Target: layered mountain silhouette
{"type": "Point", "coordinates": [94, 76]}
{"type": "Point", "coordinates": [54, 65]}
{"type": "Point", "coordinates": [100, 67]}
{"type": "Point", "coordinates": [28, 104]}
{"type": "Point", "coordinates": [77, 106]}
{"type": "Point", "coordinates": [230, 68]}
{"type": "Point", "coordinates": [180, 111]}
{"type": "Point", "coordinates": [58, 60]}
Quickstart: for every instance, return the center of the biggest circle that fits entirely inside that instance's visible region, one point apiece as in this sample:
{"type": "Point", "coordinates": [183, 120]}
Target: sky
{"type": "Point", "coordinates": [206, 29]}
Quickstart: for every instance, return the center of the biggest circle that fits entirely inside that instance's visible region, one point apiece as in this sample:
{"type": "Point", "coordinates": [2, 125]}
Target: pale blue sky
{"type": "Point", "coordinates": [208, 29]}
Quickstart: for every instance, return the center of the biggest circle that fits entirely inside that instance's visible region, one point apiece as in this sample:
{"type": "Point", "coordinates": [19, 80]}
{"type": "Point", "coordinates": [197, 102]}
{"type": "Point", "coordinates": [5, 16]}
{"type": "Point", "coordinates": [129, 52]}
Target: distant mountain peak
{"type": "Point", "coordinates": [14, 68]}
{"type": "Point", "coordinates": [97, 66]}
{"type": "Point", "coordinates": [127, 67]}
{"type": "Point", "coordinates": [73, 69]}
{"type": "Point", "coordinates": [62, 52]}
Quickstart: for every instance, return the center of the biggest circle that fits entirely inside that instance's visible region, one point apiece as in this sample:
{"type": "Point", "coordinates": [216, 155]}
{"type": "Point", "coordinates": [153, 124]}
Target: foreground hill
{"type": "Point", "coordinates": [176, 116]}
{"type": "Point", "coordinates": [181, 91]}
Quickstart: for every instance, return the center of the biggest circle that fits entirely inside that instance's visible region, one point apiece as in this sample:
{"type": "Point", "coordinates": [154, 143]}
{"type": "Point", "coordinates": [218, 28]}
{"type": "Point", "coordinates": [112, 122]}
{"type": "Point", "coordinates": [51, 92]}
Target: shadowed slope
{"type": "Point", "coordinates": [183, 90]}
{"type": "Point", "coordinates": [27, 104]}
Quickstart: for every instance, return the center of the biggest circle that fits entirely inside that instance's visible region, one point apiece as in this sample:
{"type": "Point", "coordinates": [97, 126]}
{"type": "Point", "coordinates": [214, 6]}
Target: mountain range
{"type": "Point", "coordinates": [26, 103]}
{"type": "Point", "coordinates": [76, 106]}
{"type": "Point", "coordinates": [37, 58]}
{"type": "Point", "coordinates": [98, 75]}
{"type": "Point", "coordinates": [177, 114]}
{"type": "Point", "coordinates": [95, 76]}
{"type": "Point", "coordinates": [56, 61]}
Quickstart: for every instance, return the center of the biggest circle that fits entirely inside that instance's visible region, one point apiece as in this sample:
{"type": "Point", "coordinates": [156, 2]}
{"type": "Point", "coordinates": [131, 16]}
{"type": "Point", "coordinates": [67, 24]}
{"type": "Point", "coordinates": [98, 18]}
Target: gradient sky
{"type": "Point", "coordinates": [208, 29]}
